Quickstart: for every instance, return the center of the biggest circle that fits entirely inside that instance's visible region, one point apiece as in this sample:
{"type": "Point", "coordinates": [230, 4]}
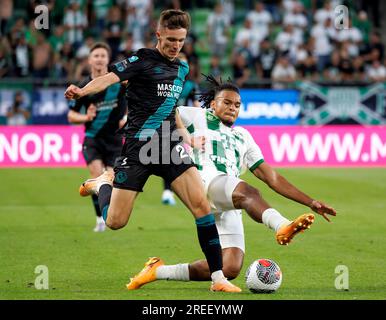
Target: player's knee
{"type": "Point", "coordinates": [115, 223]}
{"type": "Point", "coordinates": [251, 192]}
{"type": "Point", "coordinates": [231, 271]}
{"type": "Point", "coordinates": [244, 193]}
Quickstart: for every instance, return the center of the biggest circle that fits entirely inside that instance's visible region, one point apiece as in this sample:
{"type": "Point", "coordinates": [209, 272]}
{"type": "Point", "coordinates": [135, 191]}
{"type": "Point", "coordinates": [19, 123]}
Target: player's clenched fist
{"type": "Point", "coordinates": [73, 92]}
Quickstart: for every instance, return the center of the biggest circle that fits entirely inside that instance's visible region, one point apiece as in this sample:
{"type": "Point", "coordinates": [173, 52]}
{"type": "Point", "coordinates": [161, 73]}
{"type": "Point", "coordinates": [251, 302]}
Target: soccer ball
{"type": "Point", "coordinates": [263, 276]}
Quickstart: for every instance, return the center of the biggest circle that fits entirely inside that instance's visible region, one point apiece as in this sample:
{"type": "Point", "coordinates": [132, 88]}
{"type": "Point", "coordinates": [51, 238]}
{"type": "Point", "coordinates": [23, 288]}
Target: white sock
{"type": "Point", "coordinates": [178, 272]}
{"type": "Point", "coordinates": [100, 220]}
{"type": "Point", "coordinates": [217, 276]}
{"type": "Point", "coordinates": [273, 219]}
{"type": "Point", "coordinates": [167, 194]}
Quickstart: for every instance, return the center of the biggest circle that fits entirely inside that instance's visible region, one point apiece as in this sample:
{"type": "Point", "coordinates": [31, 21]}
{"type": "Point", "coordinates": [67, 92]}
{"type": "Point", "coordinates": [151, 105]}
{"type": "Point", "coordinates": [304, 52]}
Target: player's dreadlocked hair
{"type": "Point", "coordinates": [214, 88]}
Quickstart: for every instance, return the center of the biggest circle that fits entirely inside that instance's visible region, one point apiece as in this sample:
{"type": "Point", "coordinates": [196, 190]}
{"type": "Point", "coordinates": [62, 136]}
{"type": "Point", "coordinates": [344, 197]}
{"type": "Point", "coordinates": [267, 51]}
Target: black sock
{"type": "Point", "coordinates": [104, 199]}
{"type": "Point", "coordinates": [167, 185]}
{"type": "Point", "coordinates": [96, 205]}
{"type": "Point", "coordinates": [209, 241]}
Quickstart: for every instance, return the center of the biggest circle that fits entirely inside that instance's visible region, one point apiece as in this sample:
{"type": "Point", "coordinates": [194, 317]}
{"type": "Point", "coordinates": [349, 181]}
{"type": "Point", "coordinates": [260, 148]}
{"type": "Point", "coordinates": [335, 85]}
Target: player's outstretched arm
{"type": "Point", "coordinates": [97, 85]}
{"type": "Point", "coordinates": [282, 186]}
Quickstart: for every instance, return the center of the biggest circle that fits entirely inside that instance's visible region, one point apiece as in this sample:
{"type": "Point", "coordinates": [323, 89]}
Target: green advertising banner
{"type": "Point", "coordinates": [322, 105]}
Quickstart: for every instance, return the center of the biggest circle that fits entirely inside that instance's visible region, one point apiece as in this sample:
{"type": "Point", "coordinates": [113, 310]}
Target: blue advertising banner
{"type": "Point", "coordinates": [49, 106]}
{"type": "Point", "coordinates": [259, 106]}
{"type": "Point", "coordinates": [269, 107]}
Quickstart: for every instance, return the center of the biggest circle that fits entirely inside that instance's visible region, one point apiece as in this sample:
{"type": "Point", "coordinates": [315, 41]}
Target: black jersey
{"type": "Point", "coordinates": [110, 108]}
{"type": "Point", "coordinates": [155, 85]}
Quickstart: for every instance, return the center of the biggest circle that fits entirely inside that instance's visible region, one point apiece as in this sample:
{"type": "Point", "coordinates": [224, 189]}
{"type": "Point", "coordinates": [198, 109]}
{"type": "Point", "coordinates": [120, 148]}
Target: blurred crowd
{"type": "Point", "coordinates": [298, 41]}
{"type": "Point", "coordinates": [61, 50]}
{"type": "Point", "coordinates": [274, 41]}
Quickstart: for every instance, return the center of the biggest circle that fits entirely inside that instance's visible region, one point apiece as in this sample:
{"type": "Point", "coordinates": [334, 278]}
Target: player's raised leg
{"type": "Point", "coordinates": [115, 204]}
{"type": "Point", "coordinates": [250, 199]}
{"type": "Point", "coordinates": [229, 192]}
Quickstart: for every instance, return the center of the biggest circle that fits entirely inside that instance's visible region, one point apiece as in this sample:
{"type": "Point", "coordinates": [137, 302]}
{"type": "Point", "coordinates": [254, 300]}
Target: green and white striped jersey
{"type": "Point", "coordinates": [227, 150]}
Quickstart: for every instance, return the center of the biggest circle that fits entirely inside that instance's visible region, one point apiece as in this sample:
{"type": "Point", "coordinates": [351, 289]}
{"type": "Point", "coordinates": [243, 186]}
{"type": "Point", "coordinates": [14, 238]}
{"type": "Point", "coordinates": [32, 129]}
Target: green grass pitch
{"type": "Point", "coordinates": [43, 221]}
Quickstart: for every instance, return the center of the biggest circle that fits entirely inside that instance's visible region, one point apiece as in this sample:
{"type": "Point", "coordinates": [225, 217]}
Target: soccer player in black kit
{"type": "Point", "coordinates": [104, 113]}
{"type": "Point", "coordinates": [155, 81]}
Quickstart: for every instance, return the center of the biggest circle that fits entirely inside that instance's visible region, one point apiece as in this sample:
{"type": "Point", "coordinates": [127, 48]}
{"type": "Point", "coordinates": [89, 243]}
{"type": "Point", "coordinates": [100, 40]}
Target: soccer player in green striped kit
{"type": "Point", "coordinates": [221, 152]}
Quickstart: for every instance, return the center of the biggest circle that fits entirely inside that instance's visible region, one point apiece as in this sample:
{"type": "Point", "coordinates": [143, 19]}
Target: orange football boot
{"type": "Point", "coordinates": [91, 186]}
{"type": "Point", "coordinates": [147, 274]}
{"type": "Point", "coordinates": [285, 234]}
{"type": "Point", "coordinates": [224, 286]}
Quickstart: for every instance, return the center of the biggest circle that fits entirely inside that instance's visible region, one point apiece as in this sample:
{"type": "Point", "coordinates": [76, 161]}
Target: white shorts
{"type": "Point", "coordinates": [228, 219]}
{"type": "Point", "coordinates": [230, 229]}
{"type": "Point", "coordinates": [220, 192]}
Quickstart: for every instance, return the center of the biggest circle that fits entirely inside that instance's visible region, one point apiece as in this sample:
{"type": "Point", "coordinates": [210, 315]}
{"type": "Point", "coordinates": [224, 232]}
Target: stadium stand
{"type": "Point", "coordinates": [300, 30]}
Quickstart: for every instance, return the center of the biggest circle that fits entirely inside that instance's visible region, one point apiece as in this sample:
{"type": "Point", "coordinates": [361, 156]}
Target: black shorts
{"type": "Point", "coordinates": [105, 149]}
{"type": "Point", "coordinates": [132, 172]}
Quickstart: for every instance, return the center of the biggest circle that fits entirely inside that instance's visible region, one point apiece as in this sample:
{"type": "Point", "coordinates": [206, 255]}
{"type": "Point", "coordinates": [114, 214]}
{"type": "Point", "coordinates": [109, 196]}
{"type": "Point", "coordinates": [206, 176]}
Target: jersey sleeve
{"type": "Point", "coordinates": [188, 115]}
{"type": "Point", "coordinates": [253, 156]}
{"type": "Point", "coordinates": [130, 67]}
